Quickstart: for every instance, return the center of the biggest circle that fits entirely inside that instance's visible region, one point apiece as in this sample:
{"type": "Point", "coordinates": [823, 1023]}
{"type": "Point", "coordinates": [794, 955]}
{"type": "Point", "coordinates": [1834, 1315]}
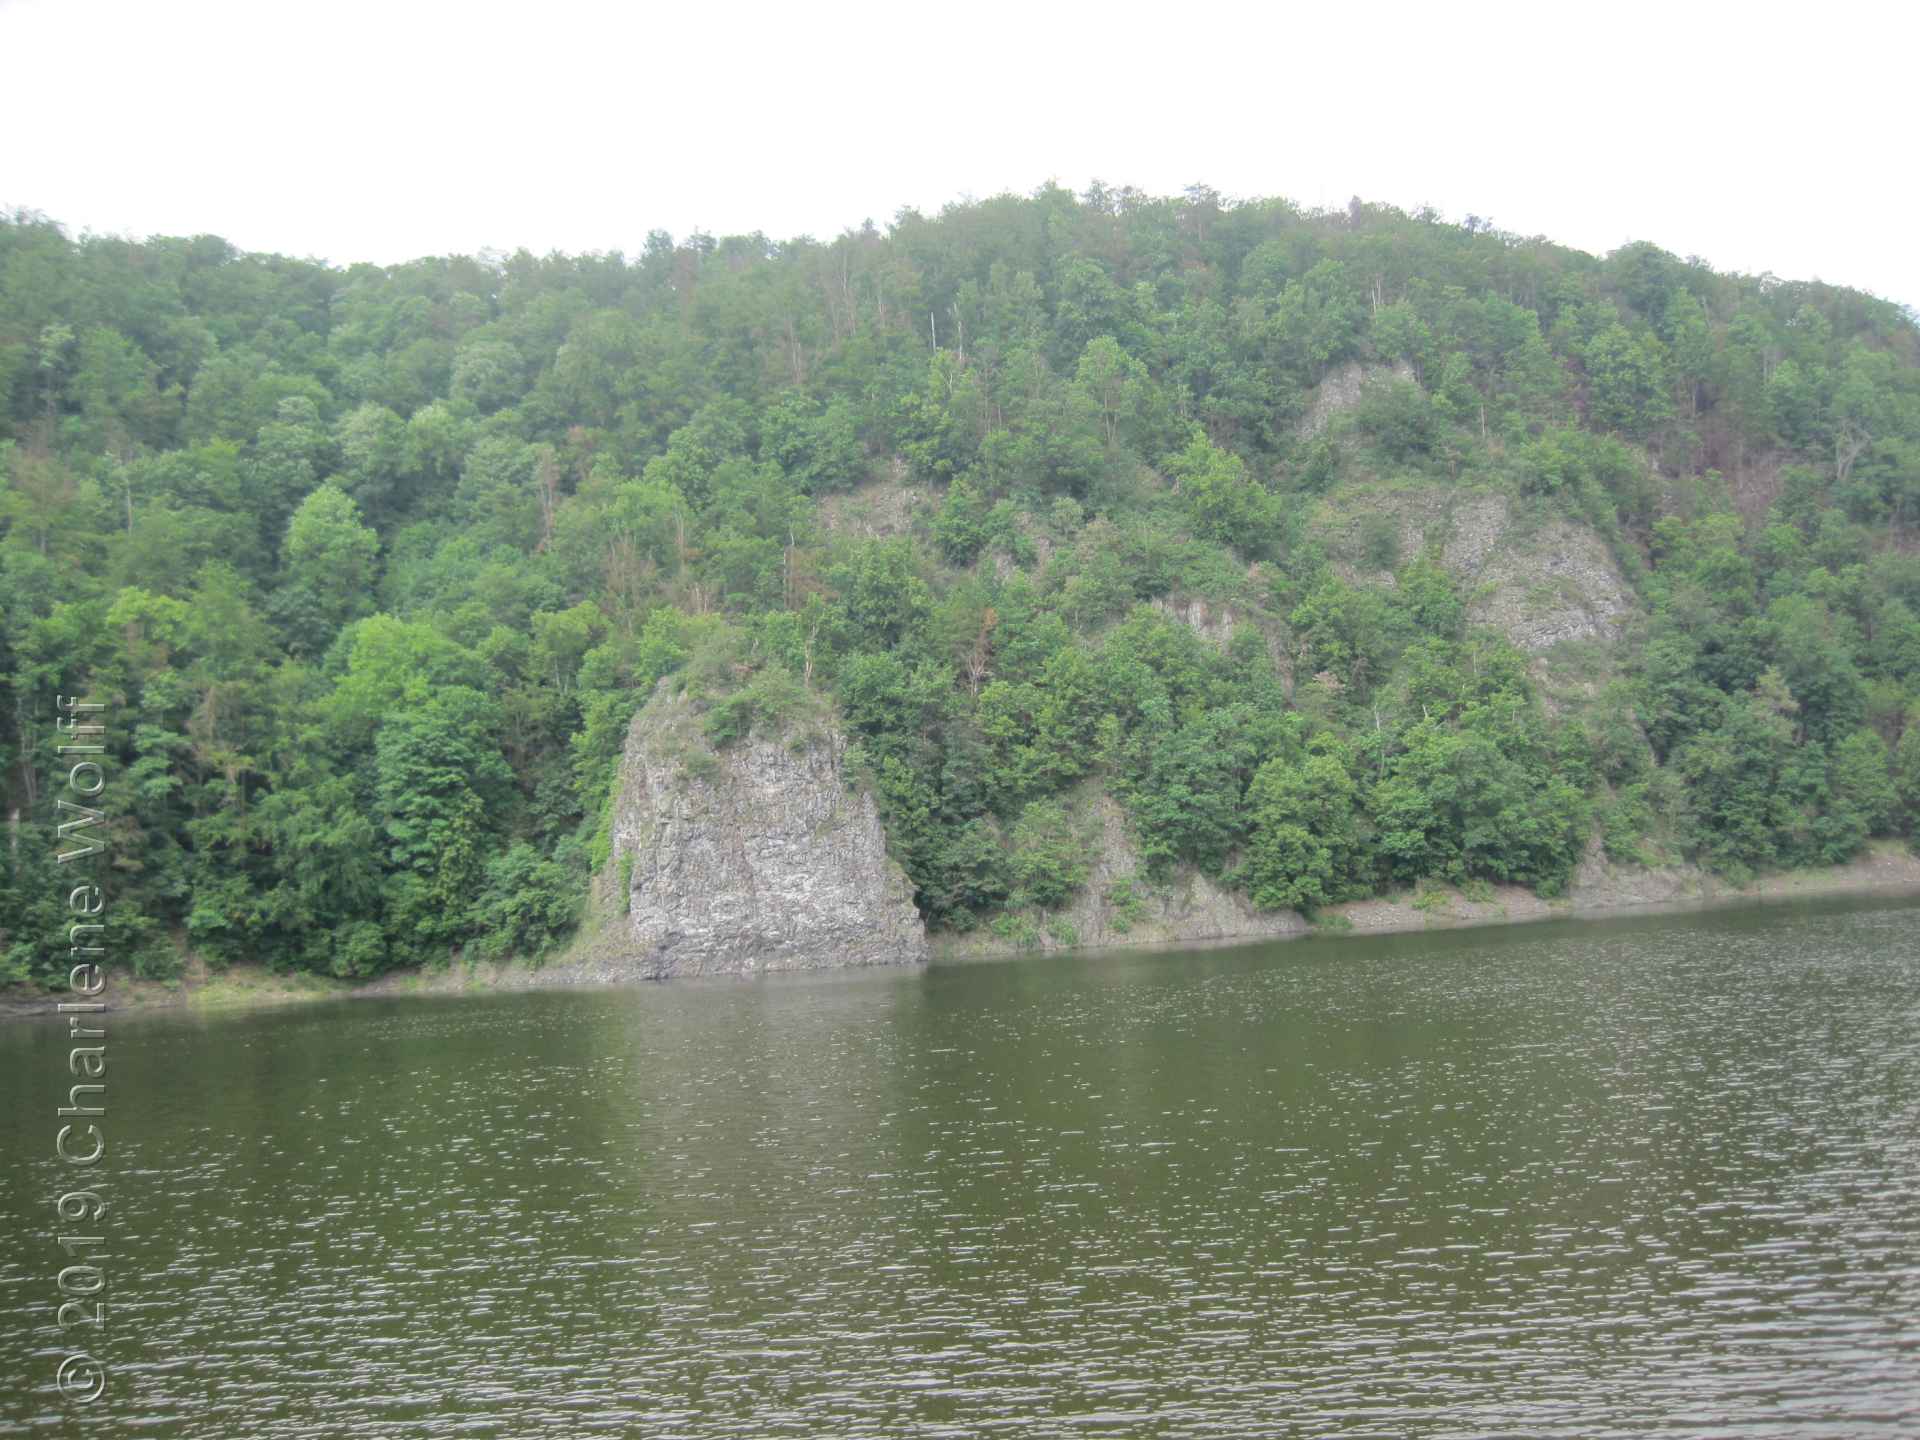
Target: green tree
{"type": "Point", "coordinates": [440, 785]}
{"type": "Point", "coordinates": [1224, 503]}
{"type": "Point", "coordinates": [1627, 376]}
{"type": "Point", "coordinates": [330, 571]}
{"type": "Point", "coordinates": [1307, 846]}
{"type": "Point", "coordinates": [1049, 860]}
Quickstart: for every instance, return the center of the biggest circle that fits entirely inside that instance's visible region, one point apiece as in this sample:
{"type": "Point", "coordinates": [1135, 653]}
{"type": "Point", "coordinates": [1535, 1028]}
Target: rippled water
{"type": "Point", "coordinates": [1557, 1180]}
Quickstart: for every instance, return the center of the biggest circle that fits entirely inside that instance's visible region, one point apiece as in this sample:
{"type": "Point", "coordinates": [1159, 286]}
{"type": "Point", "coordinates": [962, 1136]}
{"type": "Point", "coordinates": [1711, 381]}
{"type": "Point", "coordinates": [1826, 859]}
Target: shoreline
{"type": "Point", "coordinates": [1603, 891]}
{"type": "Point", "coordinates": [1600, 891]}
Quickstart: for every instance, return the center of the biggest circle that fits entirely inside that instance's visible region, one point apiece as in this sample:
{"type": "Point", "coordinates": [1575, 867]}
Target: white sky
{"type": "Point", "coordinates": [1759, 138]}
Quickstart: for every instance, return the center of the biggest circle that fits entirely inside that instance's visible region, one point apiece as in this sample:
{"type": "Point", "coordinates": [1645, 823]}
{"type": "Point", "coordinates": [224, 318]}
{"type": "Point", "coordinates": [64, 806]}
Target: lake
{"type": "Point", "coordinates": [1579, 1178]}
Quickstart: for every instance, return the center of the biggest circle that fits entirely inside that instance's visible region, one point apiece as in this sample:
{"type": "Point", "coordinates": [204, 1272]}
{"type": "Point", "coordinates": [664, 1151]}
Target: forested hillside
{"type": "Point", "coordinates": [374, 566]}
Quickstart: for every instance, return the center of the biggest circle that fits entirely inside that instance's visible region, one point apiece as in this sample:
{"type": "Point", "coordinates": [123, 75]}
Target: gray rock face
{"type": "Point", "coordinates": [1187, 906]}
{"type": "Point", "coordinates": [1121, 905]}
{"type": "Point", "coordinates": [1536, 584]}
{"type": "Point", "coordinates": [1341, 390]}
{"type": "Point", "coordinates": [753, 858]}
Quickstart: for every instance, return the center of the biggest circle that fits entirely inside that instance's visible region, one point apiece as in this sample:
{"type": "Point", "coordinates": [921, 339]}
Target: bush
{"type": "Point", "coordinates": [765, 703]}
{"type": "Point", "coordinates": [960, 525]}
{"type": "Point", "coordinates": [1398, 418]}
{"type": "Point", "coordinates": [1018, 930]}
{"type": "Point", "coordinates": [1049, 859]}
{"type": "Point", "coordinates": [1127, 905]}
{"type": "Point", "coordinates": [529, 904]}
{"type": "Point", "coordinates": [1379, 535]}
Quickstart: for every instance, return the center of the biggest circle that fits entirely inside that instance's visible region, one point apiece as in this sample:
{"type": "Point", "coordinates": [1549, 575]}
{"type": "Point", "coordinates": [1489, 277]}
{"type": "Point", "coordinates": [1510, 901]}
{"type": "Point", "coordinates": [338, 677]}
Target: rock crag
{"type": "Point", "coordinates": [1538, 581]}
{"type": "Point", "coordinates": [758, 856]}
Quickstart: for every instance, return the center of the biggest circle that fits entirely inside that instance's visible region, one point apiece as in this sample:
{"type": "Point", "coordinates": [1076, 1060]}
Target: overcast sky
{"type": "Point", "coordinates": [1760, 139]}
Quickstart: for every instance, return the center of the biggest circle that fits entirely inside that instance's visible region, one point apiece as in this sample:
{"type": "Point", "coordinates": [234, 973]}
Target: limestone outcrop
{"type": "Point", "coordinates": [756, 856]}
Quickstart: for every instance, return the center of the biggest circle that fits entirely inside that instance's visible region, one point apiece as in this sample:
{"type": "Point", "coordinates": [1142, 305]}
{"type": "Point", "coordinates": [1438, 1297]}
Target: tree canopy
{"type": "Point", "coordinates": [373, 565]}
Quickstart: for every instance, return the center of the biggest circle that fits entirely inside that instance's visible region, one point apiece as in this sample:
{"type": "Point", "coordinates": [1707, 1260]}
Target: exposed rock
{"type": "Point", "coordinates": [1211, 622]}
{"type": "Point", "coordinates": [1601, 887]}
{"type": "Point", "coordinates": [1439, 907]}
{"type": "Point", "coordinates": [1754, 485]}
{"type": "Point", "coordinates": [1341, 390]}
{"type": "Point", "coordinates": [1557, 584]}
{"type": "Point", "coordinates": [1039, 545]}
{"type": "Point", "coordinates": [1600, 883]}
{"type": "Point", "coordinates": [1596, 886]}
{"type": "Point", "coordinates": [1537, 584]}
{"type": "Point", "coordinates": [1121, 905]}
{"type": "Point", "coordinates": [752, 858]}
{"type": "Point", "coordinates": [1214, 622]}
{"type": "Point", "coordinates": [878, 509]}
{"type": "Point", "coordinates": [1475, 522]}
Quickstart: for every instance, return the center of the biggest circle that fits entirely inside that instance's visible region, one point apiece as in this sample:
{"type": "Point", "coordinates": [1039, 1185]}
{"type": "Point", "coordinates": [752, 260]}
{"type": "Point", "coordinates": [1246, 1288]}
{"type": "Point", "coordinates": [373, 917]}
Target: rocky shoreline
{"type": "Point", "coordinates": [1600, 891]}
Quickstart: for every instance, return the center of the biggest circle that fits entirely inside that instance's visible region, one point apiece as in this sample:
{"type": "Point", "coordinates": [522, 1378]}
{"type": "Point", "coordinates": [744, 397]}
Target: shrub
{"type": "Point", "coordinates": [1398, 418]}
{"type": "Point", "coordinates": [1379, 535]}
{"type": "Point", "coordinates": [528, 904]}
{"type": "Point", "coordinates": [1049, 859]}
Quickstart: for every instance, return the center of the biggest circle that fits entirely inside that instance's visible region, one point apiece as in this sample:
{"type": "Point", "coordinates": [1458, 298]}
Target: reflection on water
{"type": "Point", "coordinates": [1558, 1180]}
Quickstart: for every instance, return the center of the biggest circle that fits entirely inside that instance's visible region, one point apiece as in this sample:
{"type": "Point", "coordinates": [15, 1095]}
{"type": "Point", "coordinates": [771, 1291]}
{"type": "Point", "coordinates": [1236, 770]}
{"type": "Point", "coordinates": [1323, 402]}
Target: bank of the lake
{"type": "Point", "coordinates": [197, 987]}
{"type": "Point", "coordinates": [1598, 888]}
{"type": "Point", "coordinates": [1886, 868]}
{"type": "Point", "coordinates": [1601, 889]}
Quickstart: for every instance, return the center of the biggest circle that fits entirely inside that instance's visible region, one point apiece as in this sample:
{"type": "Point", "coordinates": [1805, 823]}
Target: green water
{"type": "Point", "coordinates": [1578, 1179]}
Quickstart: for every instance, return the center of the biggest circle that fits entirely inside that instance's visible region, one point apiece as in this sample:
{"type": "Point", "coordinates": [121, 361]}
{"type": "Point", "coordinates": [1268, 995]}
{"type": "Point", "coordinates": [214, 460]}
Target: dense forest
{"type": "Point", "coordinates": [373, 566]}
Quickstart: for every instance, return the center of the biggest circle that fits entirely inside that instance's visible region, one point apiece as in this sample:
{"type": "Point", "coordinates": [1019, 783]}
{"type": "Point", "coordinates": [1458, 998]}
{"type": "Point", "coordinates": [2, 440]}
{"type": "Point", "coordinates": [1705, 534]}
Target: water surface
{"type": "Point", "coordinates": [1571, 1179]}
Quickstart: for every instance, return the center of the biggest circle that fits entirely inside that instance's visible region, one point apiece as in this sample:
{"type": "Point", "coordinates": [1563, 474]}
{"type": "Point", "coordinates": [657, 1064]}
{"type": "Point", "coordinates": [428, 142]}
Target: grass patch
{"type": "Point", "coordinates": [1017, 930]}
{"type": "Point", "coordinates": [243, 985]}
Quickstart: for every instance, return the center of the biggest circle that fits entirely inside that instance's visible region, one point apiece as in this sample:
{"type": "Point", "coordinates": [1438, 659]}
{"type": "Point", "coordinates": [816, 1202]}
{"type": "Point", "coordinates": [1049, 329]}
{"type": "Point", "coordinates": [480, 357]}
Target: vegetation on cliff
{"type": "Point", "coordinates": [374, 566]}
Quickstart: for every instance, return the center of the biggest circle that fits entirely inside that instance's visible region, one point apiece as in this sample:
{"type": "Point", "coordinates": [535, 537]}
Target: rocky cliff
{"type": "Point", "coordinates": [752, 857]}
